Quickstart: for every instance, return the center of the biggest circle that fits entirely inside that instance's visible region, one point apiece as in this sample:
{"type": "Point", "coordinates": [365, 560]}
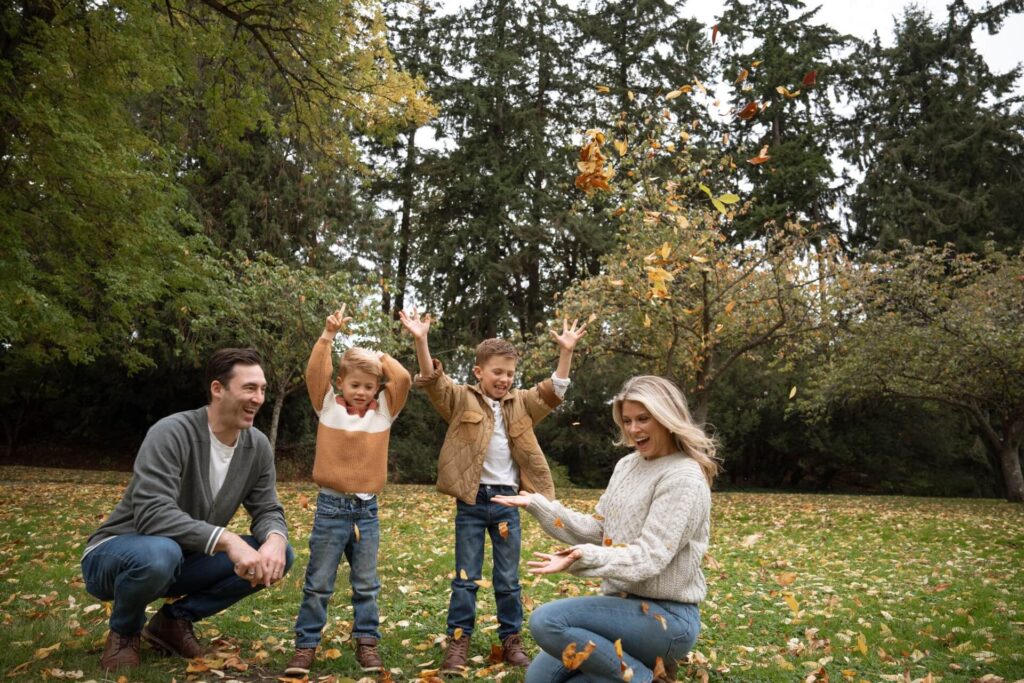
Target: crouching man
{"type": "Point", "coordinates": [167, 538]}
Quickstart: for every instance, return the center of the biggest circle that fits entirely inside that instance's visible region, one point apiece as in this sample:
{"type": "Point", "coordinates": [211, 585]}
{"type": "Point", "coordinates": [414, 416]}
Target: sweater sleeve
{"type": "Point", "coordinates": [318, 373]}
{"type": "Point", "coordinates": [680, 504]}
{"type": "Point", "coordinates": [399, 381]}
{"type": "Point", "coordinates": [156, 487]}
{"type": "Point", "coordinates": [261, 501]}
{"type": "Point", "coordinates": [564, 524]}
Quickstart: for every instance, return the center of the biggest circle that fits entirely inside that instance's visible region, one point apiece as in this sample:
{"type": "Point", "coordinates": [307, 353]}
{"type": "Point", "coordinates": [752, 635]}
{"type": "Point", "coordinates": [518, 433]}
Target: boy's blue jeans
{"type": "Point", "coordinates": [334, 535]}
{"type": "Point", "coordinates": [133, 570]}
{"type": "Point", "coordinates": [604, 619]}
{"type": "Point", "coordinates": [472, 524]}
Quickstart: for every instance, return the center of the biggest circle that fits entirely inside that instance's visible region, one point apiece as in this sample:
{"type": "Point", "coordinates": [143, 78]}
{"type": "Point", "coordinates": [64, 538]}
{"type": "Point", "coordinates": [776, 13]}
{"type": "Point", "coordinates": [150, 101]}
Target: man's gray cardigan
{"type": "Point", "coordinates": [169, 493]}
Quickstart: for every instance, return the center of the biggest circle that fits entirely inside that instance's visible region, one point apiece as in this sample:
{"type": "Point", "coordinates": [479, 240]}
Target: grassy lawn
{"type": "Point", "coordinates": [801, 588]}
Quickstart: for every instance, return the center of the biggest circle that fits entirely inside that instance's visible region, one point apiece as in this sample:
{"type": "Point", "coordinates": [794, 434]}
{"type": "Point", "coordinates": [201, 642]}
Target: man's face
{"type": "Point", "coordinates": [359, 388]}
{"type": "Point", "coordinates": [496, 375]}
{"type": "Point", "coordinates": [239, 401]}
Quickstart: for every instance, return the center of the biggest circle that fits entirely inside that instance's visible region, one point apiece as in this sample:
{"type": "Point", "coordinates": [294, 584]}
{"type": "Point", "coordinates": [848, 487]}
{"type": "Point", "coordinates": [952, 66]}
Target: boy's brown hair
{"type": "Point", "coordinates": [489, 348]}
{"type": "Point", "coordinates": [362, 360]}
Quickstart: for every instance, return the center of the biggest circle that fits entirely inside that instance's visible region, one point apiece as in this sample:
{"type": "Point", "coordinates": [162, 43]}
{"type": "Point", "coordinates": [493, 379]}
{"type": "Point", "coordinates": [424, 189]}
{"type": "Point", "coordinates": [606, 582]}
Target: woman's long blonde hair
{"type": "Point", "coordinates": [666, 404]}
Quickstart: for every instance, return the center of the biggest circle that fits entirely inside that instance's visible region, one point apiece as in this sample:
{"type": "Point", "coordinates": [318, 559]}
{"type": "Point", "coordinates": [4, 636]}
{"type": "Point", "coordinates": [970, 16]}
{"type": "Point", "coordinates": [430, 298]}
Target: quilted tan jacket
{"type": "Point", "coordinates": [470, 425]}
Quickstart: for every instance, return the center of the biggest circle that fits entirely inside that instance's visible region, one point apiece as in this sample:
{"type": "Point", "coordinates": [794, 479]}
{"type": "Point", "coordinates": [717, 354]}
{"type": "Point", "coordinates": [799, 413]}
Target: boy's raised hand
{"type": "Point", "coordinates": [418, 326]}
{"type": "Point", "coordinates": [337, 321]}
{"type": "Point", "coordinates": [570, 334]}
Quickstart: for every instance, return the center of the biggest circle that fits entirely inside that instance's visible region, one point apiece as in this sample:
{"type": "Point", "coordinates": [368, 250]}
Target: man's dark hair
{"type": "Point", "coordinates": [222, 362]}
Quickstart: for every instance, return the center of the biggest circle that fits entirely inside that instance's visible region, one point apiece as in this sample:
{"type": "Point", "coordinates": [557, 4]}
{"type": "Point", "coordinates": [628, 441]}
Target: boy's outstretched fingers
{"type": "Point", "coordinates": [416, 324]}
{"type": "Point", "coordinates": [570, 333]}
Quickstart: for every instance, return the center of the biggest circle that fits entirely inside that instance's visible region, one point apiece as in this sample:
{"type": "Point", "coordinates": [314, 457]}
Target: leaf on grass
{"type": "Point", "coordinates": [332, 653]}
{"type": "Point", "coordinates": [303, 501]}
{"type": "Point", "coordinates": [729, 307]}
{"type": "Point", "coordinates": [791, 601]}
{"type": "Point", "coordinates": [862, 644]}
{"type": "Point", "coordinates": [571, 659]}
{"type": "Point", "coordinates": [785, 578]}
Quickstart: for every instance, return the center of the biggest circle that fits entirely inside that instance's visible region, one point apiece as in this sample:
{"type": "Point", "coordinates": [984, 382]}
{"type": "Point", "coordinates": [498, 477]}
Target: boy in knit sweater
{"type": "Point", "coordinates": [490, 450]}
{"type": "Point", "coordinates": [351, 468]}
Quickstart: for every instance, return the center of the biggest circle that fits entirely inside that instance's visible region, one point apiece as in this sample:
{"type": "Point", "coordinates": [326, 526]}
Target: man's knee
{"type": "Point", "coordinates": [289, 557]}
{"type": "Point", "coordinates": [163, 559]}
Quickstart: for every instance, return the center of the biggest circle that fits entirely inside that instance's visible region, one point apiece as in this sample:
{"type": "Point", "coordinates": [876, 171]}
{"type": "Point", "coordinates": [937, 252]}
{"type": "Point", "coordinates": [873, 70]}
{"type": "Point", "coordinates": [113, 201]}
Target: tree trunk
{"type": "Point", "coordinates": [1009, 459]}
{"type": "Point", "coordinates": [275, 417]}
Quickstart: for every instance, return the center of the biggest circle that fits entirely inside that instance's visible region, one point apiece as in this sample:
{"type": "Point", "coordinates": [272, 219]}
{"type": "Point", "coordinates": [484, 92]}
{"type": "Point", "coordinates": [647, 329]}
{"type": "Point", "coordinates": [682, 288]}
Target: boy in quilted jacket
{"type": "Point", "coordinates": [490, 450]}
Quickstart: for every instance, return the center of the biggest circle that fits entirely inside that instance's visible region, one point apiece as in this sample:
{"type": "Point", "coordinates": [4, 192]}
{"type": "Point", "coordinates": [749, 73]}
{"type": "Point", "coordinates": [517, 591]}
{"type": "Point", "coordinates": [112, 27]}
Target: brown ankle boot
{"type": "Point", "coordinates": [173, 635]}
{"type": "Point", "coordinates": [301, 662]}
{"type": "Point", "coordinates": [455, 656]}
{"type": "Point", "coordinates": [120, 652]}
{"type": "Point", "coordinates": [513, 652]}
{"type": "Point", "coordinates": [367, 654]}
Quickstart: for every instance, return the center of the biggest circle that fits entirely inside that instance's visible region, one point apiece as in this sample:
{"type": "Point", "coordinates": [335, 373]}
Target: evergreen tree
{"type": "Point", "coordinates": [938, 135]}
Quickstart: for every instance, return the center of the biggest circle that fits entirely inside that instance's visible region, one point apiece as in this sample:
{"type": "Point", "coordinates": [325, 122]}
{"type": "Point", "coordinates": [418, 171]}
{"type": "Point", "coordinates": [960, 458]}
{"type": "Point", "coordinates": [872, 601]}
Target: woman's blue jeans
{"type": "Point", "coordinates": [473, 523]}
{"type": "Point", "coordinates": [602, 620]}
{"type": "Point", "coordinates": [334, 536]}
{"type": "Point", "coordinates": [133, 570]}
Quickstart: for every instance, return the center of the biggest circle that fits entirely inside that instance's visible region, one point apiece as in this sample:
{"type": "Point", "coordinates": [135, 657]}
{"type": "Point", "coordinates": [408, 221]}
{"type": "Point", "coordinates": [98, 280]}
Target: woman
{"type": "Point", "coordinates": [646, 542]}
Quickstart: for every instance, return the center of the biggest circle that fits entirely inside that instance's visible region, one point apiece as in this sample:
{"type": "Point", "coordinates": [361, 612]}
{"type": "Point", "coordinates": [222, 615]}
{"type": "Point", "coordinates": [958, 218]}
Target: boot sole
{"type": "Point", "coordinates": [162, 647]}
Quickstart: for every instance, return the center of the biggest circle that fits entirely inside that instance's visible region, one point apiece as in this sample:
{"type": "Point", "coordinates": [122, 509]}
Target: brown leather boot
{"type": "Point", "coordinates": [514, 654]}
{"type": "Point", "coordinates": [173, 635]}
{"type": "Point", "coordinates": [120, 652]}
{"type": "Point", "coordinates": [301, 662]}
{"type": "Point", "coordinates": [455, 656]}
{"type": "Point", "coordinates": [367, 655]}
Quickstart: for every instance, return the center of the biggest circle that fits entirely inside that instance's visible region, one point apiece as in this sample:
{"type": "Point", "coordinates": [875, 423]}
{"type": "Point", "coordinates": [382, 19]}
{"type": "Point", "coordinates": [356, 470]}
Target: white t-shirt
{"type": "Point", "coordinates": [220, 460]}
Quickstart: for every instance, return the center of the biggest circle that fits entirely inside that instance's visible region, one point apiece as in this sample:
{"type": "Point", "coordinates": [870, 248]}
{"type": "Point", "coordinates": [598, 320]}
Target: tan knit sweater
{"type": "Point", "coordinates": [352, 450]}
{"type": "Point", "coordinates": [650, 531]}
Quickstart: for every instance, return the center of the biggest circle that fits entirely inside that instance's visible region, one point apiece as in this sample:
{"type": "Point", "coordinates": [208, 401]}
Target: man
{"type": "Point", "coordinates": [167, 538]}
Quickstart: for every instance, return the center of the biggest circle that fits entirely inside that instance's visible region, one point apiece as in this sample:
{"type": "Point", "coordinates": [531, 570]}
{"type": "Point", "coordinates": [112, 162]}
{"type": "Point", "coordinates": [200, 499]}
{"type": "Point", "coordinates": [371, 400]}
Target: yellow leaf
{"type": "Point", "coordinates": [742, 77]}
{"type": "Point", "coordinates": [700, 86]}
{"type": "Point", "coordinates": [483, 583]}
{"type": "Point", "coordinates": [792, 392]}
{"type": "Point", "coordinates": [603, 89]}
{"type": "Point", "coordinates": [783, 90]}
{"type": "Point", "coordinates": [785, 578]}
{"type": "Point", "coordinates": [647, 320]}
{"type": "Point", "coordinates": [620, 146]}
{"type": "Point", "coordinates": [618, 647]}
{"type": "Point", "coordinates": [674, 94]}
{"type": "Point", "coordinates": [728, 198]}
{"type": "Point", "coordinates": [355, 529]}
{"type": "Point", "coordinates": [617, 283]}
{"type": "Point", "coordinates": [862, 644]}
{"type": "Point", "coordinates": [791, 601]}
{"type": "Point", "coordinates": [464, 576]}
{"type": "Point", "coordinates": [333, 653]}
{"type": "Point", "coordinates": [630, 95]}
{"type": "Point", "coordinates": [661, 620]}
{"type": "Point", "coordinates": [756, 63]}
{"type": "Point", "coordinates": [729, 306]}
{"type": "Point", "coordinates": [457, 634]}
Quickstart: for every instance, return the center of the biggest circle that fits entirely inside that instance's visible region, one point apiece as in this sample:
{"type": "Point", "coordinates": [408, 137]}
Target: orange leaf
{"type": "Point", "coordinates": [714, 34]}
{"type": "Point", "coordinates": [783, 90]}
{"type": "Point", "coordinates": [661, 620]}
{"type": "Point", "coordinates": [618, 647]}
{"type": "Point", "coordinates": [756, 63]}
{"type": "Point", "coordinates": [571, 659]}
{"type": "Point", "coordinates": [559, 523]}
{"type": "Point", "coordinates": [497, 655]}
{"type": "Point", "coordinates": [810, 78]}
{"type": "Point", "coordinates": [761, 157]}
{"type": "Point", "coordinates": [742, 77]}
{"type": "Point", "coordinates": [608, 541]}
{"type": "Point", "coordinates": [457, 634]}
{"type": "Point", "coordinates": [303, 501]}
{"type": "Point", "coordinates": [659, 669]}
{"type": "Point", "coordinates": [785, 578]}
{"type": "Point", "coordinates": [503, 529]}
{"type": "Point", "coordinates": [749, 111]}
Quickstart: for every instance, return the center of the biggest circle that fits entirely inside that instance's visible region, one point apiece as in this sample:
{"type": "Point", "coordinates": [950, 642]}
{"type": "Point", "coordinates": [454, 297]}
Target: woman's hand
{"type": "Point", "coordinates": [552, 563]}
{"type": "Point", "coordinates": [520, 501]}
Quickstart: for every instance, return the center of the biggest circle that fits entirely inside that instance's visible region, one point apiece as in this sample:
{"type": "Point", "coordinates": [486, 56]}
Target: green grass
{"type": "Point", "coordinates": [800, 587]}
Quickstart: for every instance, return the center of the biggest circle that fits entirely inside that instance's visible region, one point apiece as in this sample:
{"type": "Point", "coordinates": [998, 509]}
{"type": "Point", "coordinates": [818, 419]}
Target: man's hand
{"type": "Point", "coordinates": [570, 334]}
{"type": "Point", "coordinates": [417, 326]}
{"type": "Point", "coordinates": [248, 563]}
{"type": "Point", "coordinates": [272, 554]}
{"type": "Point", "coordinates": [336, 322]}
{"type": "Point", "coordinates": [552, 563]}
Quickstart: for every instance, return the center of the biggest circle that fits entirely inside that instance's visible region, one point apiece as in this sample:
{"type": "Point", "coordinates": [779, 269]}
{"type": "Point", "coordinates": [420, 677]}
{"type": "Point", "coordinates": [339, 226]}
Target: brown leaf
{"type": "Point", "coordinates": [810, 78]}
{"type": "Point", "coordinates": [571, 659]}
{"type": "Point", "coordinates": [749, 111]}
{"type": "Point", "coordinates": [714, 34]}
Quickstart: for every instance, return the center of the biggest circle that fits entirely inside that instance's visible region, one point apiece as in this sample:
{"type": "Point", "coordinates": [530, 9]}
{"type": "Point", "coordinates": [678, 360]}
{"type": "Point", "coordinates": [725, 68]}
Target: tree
{"type": "Point", "coordinates": [938, 136]}
{"type": "Point", "coordinates": [930, 324]}
{"type": "Point", "coordinates": [677, 296]}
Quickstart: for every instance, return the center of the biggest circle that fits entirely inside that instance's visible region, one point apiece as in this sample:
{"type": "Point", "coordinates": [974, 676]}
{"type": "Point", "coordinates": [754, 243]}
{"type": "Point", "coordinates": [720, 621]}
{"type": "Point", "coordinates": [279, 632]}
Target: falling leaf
{"type": "Point", "coordinates": [749, 111]}
{"type": "Point", "coordinates": [464, 576]}
{"type": "Point", "coordinates": [761, 157]}
{"type": "Point", "coordinates": [483, 583]}
{"type": "Point", "coordinates": [303, 501]}
{"type": "Point", "coordinates": [644, 607]}
{"type": "Point", "coordinates": [792, 392]}
{"type": "Point", "coordinates": [457, 633]}
{"type": "Point", "coordinates": [700, 86]}
{"type": "Point", "coordinates": [810, 78]}
{"type": "Point", "coordinates": [503, 529]}
{"type": "Point", "coordinates": [742, 77]}
{"type": "Point", "coordinates": [783, 90]}
{"type": "Point", "coordinates": [673, 94]}
{"type": "Point", "coordinates": [355, 530]}
{"type": "Point", "coordinates": [618, 647]}
{"type": "Point", "coordinates": [728, 198]}
{"type": "Point", "coordinates": [661, 620]}
{"type": "Point", "coordinates": [559, 523]}
{"type": "Point", "coordinates": [630, 95]}
{"type": "Point", "coordinates": [591, 318]}
{"type": "Point", "coordinates": [725, 139]}
{"type": "Point", "coordinates": [756, 63]}
{"type": "Point", "coordinates": [571, 659]}
{"type": "Point", "coordinates": [603, 89]}
{"type": "Point", "coordinates": [620, 146]}
{"type": "Point", "coordinates": [714, 34]}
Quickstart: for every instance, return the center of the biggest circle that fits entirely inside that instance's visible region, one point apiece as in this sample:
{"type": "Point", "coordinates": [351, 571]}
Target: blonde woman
{"type": "Point", "coordinates": [645, 542]}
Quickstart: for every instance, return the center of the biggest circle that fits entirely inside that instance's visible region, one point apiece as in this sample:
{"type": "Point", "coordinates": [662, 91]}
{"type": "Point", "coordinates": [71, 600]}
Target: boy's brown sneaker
{"type": "Point", "coordinates": [120, 652]}
{"type": "Point", "coordinates": [513, 652]}
{"type": "Point", "coordinates": [301, 662]}
{"type": "Point", "coordinates": [367, 655]}
{"type": "Point", "coordinates": [172, 635]}
{"type": "Point", "coordinates": [455, 656]}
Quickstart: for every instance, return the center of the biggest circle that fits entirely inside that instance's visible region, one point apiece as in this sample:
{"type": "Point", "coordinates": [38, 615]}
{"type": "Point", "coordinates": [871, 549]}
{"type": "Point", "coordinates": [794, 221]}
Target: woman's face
{"type": "Point", "coordinates": [650, 437]}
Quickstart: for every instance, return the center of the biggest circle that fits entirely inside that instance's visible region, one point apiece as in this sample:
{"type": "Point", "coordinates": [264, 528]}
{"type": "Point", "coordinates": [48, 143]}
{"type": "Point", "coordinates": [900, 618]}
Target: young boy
{"type": "Point", "coordinates": [490, 449]}
{"type": "Point", "coordinates": [351, 468]}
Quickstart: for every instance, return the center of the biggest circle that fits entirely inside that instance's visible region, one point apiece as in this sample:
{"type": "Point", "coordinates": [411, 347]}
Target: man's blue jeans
{"type": "Point", "coordinates": [334, 535]}
{"type": "Point", "coordinates": [472, 523]}
{"type": "Point", "coordinates": [604, 619]}
{"type": "Point", "coordinates": [133, 570]}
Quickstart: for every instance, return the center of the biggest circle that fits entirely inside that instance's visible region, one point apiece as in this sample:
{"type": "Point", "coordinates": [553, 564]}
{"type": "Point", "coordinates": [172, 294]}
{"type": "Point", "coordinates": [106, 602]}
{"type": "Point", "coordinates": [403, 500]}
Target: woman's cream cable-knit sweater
{"type": "Point", "coordinates": [649, 533]}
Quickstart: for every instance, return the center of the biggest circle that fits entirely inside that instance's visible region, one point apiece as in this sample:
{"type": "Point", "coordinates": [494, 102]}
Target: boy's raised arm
{"type": "Point", "coordinates": [418, 326]}
{"type": "Point", "coordinates": [567, 343]}
{"type": "Point", "coordinates": [320, 366]}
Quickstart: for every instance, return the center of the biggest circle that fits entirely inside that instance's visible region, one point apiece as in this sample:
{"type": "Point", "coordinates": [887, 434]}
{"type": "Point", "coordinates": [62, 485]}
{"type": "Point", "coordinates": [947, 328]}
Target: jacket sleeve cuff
{"type": "Point", "coordinates": [432, 378]}
{"type": "Point", "coordinates": [214, 539]}
{"type": "Point", "coordinates": [547, 393]}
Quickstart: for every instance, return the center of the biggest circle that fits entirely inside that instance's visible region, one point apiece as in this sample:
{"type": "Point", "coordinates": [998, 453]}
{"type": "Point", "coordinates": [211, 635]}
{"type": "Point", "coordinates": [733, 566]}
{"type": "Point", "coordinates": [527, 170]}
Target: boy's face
{"type": "Point", "coordinates": [359, 388]}
{"type": "Point", "coordinates": [496, 375]}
